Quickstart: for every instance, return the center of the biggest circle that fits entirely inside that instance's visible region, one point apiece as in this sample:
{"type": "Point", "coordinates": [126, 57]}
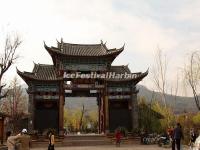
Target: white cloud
{"type": "Point", "coordinates": [189, 12]}
{"type": "Point", "coordinates": [89, 21]}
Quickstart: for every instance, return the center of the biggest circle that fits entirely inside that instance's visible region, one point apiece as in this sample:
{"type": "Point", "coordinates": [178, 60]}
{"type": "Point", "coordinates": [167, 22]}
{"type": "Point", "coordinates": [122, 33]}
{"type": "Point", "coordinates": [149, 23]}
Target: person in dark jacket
{"type": "Point", "coordinates": [178, 135]}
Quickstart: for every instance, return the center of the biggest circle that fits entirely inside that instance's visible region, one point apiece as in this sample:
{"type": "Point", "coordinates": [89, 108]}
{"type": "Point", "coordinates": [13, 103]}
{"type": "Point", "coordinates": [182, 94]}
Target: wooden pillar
{"type": "Point", "coordinates": [31, 110]}
{"type": "Point", "coordinates": [134, 102]}
{"type": "Point", "coordinates": [61, 110]}
{"type": "Point", "coordinates": [99, 114]}
{"type": "Point", "coordinates": [106, 114]}
{"type": "Point", "coordinates": [61, 114]}
{"type": "Point", "coordinates": [106, 109]}
{"type": "Point", "coordinates": [102, 116]}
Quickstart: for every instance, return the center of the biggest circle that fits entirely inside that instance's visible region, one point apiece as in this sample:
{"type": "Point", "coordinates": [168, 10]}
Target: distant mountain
{"type": "Point", "coordinates": [90, 103]}
{"type": "Point", "coordinates": [179, 104]}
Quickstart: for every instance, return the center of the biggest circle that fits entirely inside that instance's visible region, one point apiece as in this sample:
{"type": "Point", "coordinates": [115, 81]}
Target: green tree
{"type": "Point", "coordinates": [196, 119]}
{"type": "Point", "coordinates": [166, 111]}
{"type": "Point", "coordinates": [154, 117]}
{"type": "Point", "coordinates": [147, 118]}
{"type": "Point", "coordinates": [75, 120]}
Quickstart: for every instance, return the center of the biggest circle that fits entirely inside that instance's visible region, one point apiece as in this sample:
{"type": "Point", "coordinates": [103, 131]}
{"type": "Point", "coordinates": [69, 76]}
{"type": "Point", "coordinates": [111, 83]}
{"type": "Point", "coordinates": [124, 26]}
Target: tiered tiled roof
{"type": "Point", "coordinates": [124, 69]}
{"type": "Point", "coordinates": [120, 69]}
{"type": "Point", "coordinates": [43, 72]}
{"type": "Point", "coordinates": [40, 72]}
{"type": "Point", "coordinates": [69, 49]}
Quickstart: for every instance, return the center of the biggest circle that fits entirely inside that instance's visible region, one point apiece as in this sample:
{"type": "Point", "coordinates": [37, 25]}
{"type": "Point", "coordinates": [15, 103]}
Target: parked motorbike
{"type": "Point", "coordinates": [149, 139]}
{"type": "Point", "coordinates": [164, 140]}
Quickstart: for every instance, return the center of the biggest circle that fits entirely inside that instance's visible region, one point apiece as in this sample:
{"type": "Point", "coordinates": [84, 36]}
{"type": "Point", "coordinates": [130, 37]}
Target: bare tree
{"type": "Point", "coordinates": [7, 58]}
{"type": "Point", "coordinates": [159, 78]}
{"type": "Point", "coordinates": [175, 89]}
{"type": "Point", "coordinates": [15, 104]}
{"type": "Point", "coordinates": [192, 75]}
{"type": "Point", "coordinates": [159, 74]}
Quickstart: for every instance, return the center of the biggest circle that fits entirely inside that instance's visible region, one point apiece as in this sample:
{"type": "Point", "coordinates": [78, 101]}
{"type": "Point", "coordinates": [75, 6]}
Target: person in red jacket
{"type": "Point", "coordinates": [118, 136]}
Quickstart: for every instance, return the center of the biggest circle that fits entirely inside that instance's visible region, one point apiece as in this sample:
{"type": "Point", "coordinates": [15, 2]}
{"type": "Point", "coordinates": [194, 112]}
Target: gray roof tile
{"type": "Point", "coordinates": [83, 49]}
{"type": "Point", "coordinates": [48, 73]}
{"type": "Point", "coordinates": [41, 72]}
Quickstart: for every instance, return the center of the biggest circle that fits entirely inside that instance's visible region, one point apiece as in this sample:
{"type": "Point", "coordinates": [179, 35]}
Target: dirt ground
{"type": "Point", "coordinates": [110, 147]}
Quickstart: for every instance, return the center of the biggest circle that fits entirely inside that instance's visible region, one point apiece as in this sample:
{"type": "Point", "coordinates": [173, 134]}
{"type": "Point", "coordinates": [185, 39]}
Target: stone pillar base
{"type": "Point", "coordinates": [61, 132]}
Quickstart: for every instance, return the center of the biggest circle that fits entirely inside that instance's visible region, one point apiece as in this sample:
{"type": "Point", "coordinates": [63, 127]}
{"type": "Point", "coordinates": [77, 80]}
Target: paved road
{"type": "Point", "coordinates": [123, 147]}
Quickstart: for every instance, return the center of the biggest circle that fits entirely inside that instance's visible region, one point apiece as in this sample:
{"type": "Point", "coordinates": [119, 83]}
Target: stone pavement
{"type": "Point", "coordinates": [110, 147]}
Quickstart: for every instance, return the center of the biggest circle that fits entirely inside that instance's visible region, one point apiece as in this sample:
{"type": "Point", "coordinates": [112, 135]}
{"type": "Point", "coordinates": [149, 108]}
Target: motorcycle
{"type": "Point", "coordinates": [164, 140]}
{"type": "Point", "coordinates": [149, 139]}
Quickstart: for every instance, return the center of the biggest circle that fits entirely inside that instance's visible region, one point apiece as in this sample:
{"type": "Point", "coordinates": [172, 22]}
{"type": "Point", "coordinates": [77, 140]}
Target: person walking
{"type": "Point", "coordinates": [171, 136]}
{"type": "Point", "coordinates": [51, 140]}
{"type": "Point", "coordinates": [193, 137]}
{"type": "Point", "coordinates": [25, 140]}
{"type": "Point", "coordinates": [178, 135]}
{"type": "Point", "coordinates": [12, 142]}
{"type": "Point", "coordinates": [173, 144]}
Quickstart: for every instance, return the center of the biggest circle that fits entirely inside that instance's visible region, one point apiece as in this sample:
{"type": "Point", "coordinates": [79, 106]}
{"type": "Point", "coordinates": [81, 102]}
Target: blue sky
{"type": "Point", "coordinates": [143, 25]}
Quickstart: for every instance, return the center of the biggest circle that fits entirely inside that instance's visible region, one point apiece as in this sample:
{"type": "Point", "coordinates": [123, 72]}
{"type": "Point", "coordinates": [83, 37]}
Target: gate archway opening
{"type": "Point", "coordinates": [81, 115]}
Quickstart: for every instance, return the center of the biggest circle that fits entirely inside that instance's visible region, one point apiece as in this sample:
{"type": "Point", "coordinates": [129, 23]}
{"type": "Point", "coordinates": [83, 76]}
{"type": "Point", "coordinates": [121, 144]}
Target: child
{"type": "Point", "coordinates": [118, 137]}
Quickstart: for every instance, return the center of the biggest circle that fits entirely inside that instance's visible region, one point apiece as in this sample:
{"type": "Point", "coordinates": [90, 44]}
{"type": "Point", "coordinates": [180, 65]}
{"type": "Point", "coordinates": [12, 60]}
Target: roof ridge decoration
{"type": "Point", "coordinates": [80, 44]}
{"type": "Point", "coordinates": [62, 44]}
{"type": "Point", "coordinates": [104, 46]}
{"type": "Point", "coordinates": [69, 49]}
{"type": "Point", "coordinates": [35, 68]}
